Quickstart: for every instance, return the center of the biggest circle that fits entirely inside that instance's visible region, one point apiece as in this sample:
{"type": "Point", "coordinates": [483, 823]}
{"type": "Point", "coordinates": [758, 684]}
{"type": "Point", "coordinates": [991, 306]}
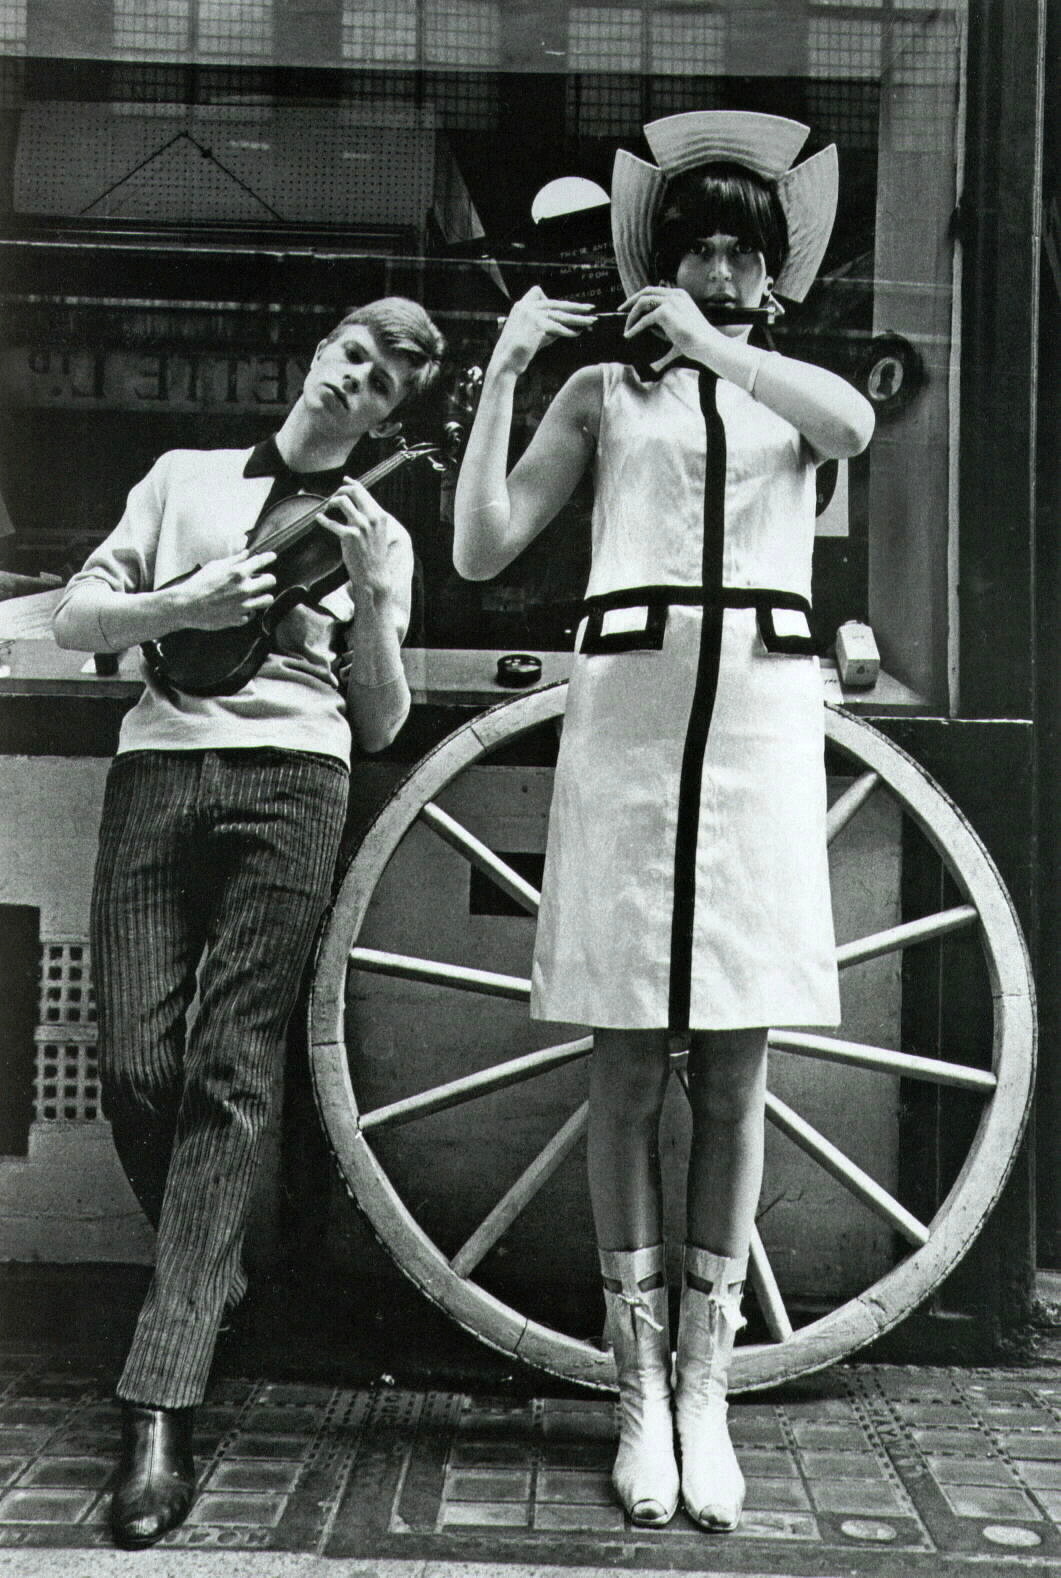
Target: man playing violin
{"type": "Point", "coordinates": [221, 825]}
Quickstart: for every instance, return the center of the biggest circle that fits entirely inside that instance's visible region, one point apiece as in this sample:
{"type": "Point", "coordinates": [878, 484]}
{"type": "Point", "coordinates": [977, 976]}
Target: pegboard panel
{"type": "Point", "coordinates": [299, 164]}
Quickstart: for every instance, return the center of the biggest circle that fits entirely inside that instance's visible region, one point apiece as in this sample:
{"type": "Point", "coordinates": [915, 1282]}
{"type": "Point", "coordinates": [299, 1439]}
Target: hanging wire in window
{"type": "Point", "coordinates": [207, 153]}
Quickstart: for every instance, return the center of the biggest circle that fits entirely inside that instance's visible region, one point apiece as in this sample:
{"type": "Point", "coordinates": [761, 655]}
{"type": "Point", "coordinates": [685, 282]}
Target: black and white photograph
{"type": "Point", "coordinates": [530, 754]}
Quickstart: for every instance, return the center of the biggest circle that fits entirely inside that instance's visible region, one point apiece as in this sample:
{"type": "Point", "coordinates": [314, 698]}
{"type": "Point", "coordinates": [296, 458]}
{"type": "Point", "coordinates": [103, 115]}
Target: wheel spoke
{"type": "Point", "coordinates": [481, 856]}
{"type": "Point", "coordinates": [863, 1317]}
{"type": "Point", "coordinates": [827, 1049]}
{"type": "Point", "coordinates": [456, 1091]}
{"type": "Point", "coordinates": [845, 1171]}
{"type": "Point", "coordinates": [761, 1274]}
{"type": "Point", "coordinates": [844, 807]}
{"type": "Point", "coordinates": [519, 1196]}
{"type": "Point", "coordinates": [905, 936]}
{"type": "Point", "coordinates": [435, 972]}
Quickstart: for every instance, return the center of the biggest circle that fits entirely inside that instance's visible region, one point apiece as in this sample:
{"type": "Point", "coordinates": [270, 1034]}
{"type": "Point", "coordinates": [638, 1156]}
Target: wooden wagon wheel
{"type": "Point", "coordinates": [931, 1249]}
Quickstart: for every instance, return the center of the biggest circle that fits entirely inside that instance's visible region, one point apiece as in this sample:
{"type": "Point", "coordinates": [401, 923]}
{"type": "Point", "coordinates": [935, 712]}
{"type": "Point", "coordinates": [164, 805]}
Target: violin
{"type": "Point", "coordinates": [308, 565]}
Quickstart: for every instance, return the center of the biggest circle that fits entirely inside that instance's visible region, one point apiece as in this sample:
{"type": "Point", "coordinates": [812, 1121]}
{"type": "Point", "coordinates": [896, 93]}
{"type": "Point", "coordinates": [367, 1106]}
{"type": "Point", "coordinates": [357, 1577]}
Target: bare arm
{"type": "Point", "coordinates": [378, 555]}
{"type": "Point", "coordinates": [832, 416]}
{"type": "Point", "coordinates": [496, 516]}
{"type": "Point", "coordinates": [112, 603]}
{"type": "Point", "coordinates": [96, 616]}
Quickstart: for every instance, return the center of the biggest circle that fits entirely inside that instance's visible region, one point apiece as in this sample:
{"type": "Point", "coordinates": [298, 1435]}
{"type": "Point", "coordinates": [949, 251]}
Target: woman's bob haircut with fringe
{"type": "Point", "coordinates": [719, 199]}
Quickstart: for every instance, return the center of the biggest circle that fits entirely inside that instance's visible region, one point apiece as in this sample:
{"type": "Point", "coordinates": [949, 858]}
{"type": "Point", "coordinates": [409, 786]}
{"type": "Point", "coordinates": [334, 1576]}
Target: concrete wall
{"type": "Point", "coordinates": [67, 1199]}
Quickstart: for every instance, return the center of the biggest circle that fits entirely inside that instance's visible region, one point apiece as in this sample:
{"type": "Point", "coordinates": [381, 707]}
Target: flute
{"type": "Point", "coordinates": [718, 313]}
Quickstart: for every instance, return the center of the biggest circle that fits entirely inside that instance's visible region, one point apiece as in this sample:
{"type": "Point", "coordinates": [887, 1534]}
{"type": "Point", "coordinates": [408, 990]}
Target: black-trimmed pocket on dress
{"type": "Point", "coordinates": [647, 637]}
{"type": "Point", "coordinates": [783, 643]}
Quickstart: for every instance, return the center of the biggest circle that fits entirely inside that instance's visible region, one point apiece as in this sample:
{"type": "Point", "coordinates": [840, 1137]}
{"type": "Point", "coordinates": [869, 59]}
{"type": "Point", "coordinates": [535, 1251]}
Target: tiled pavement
{"type": "Point", "coordinates": [868, 1469]}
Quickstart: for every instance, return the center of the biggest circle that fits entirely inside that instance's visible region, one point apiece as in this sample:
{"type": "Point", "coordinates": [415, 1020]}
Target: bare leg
{"type": "Point", "coordinates": [628, 1081]}
{"type": "Point", "coordinates": [727, 1088]}
{"type": "Point", "coordinates": [727, 1083]}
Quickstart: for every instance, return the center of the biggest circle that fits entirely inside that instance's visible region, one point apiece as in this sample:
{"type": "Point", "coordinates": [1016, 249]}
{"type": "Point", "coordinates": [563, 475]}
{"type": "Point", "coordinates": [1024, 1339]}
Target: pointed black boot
{"type": "Point", "coordinates": [156, 1474]}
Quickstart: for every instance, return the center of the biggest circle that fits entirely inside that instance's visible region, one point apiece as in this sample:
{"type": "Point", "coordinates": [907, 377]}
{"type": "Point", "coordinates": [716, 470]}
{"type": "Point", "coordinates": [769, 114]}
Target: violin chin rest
{"type": "Point", "coordinates": [291, 597]}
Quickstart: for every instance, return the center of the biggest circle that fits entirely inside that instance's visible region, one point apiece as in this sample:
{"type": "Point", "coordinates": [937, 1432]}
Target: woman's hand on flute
{"type": "Point", "coordinates": [674, 313]}
{"type": "Point", "coordinates": [534, 321]}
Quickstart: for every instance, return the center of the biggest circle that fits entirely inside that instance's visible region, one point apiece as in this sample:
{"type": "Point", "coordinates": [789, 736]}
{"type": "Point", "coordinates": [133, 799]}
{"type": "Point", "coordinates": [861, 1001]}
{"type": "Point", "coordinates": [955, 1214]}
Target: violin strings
{"type": "Point", "coordinates": [285, 535]}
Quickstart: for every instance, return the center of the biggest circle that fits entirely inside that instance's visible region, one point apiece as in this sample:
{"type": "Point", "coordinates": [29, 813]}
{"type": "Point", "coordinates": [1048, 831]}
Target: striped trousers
{"type": "Point", "coordinates": [213, 872]}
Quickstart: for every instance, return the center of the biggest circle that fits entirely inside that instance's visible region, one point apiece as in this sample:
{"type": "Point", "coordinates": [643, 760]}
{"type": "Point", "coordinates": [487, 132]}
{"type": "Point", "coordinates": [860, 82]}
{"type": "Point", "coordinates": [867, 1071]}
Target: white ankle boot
{"type": "Point", "coordinates": [712, 1483]}
{"type": "Point", "coordinates": [645, 1475]}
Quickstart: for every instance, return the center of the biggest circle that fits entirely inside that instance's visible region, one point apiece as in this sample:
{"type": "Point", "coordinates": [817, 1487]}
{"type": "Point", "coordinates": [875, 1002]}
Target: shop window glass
{"type": "Point", "coordinates": [236, 29]}
{"type": "Point", "coordinates": [670, 95]}
{"type": "Point", "coordinates": [604, 38]}
{"type": "Point", "coordinates": [461, 32]}
{"type": "Point", "coordinates": [158, 28]}
{"type": "Point", "coordinates": [12, 82]}
{"type": "Point", "coordinates": [604, 105]}
{"type": "Point", "coordinates": [147, 89]}
{"type": "Point", "coordinates": [686, 42]}
{"type": "Point", "coordinates": [13, 26]}
{"type": "Point", "coordinates": [476, 104]}
{"type": "Point", "coordinates": [389, 89]}
{"type": "Point", "coordinates": [464, 99]}
{"type": "Point", "coordinates": [230, 92]}
{"type": "Point", "coordinates": [850, 106]}
{"type": "Point", "coordinates": [377, 33]}
{"type": "Point", "coordinates": [925, 74]}
{"type": "Point", "coordinates": [844, 47]}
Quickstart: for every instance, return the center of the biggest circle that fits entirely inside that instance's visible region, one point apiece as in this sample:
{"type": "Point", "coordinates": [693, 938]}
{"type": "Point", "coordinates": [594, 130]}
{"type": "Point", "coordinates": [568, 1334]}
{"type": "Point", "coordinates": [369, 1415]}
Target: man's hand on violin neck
{"type": "Point", "coordinates": [366, 532]}
{"type": "Point", "coordinates": [228, 591]}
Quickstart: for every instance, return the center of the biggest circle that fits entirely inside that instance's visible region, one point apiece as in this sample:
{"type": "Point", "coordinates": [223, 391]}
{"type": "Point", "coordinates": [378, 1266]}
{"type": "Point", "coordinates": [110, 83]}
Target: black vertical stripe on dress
{"type": "Point", "coordinates": [701, 709]}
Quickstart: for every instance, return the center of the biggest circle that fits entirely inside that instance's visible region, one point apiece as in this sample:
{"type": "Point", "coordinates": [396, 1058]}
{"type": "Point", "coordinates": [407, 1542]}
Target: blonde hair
{"type": "Point", "coordinates": [404, 328]}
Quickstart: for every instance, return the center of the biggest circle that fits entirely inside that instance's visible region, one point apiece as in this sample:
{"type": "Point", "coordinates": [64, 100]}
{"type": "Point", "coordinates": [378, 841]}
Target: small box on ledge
{"type": "Point", "coordinates": [857, 657]}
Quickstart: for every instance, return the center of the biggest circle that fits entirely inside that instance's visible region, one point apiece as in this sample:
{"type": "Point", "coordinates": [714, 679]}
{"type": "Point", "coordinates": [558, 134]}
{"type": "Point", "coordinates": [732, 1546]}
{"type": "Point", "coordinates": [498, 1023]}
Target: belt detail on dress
{"type": "Point", "coordinates": [657, 600]}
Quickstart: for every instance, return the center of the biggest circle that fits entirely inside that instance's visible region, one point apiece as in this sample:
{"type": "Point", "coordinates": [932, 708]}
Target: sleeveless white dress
{"type": "Point", "coordinates": [686, 879]}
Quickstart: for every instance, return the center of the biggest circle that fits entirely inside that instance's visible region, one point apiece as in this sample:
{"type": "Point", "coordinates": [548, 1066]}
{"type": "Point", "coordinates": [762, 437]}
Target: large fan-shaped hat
{"type": "Point", "coordinates": [766, 144]}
